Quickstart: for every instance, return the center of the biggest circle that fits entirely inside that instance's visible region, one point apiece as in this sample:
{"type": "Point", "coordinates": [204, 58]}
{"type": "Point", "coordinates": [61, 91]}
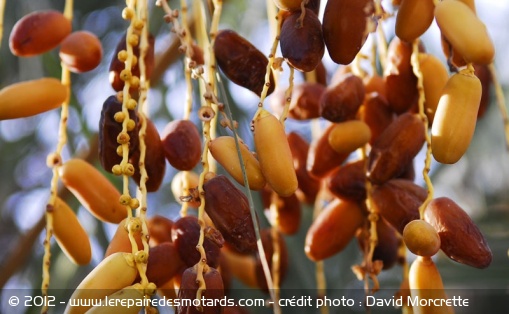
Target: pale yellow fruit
{"type": "Point", "coordinates": [435, 76]}
{"type": "Point", "coordinates": [274, 154]}
{"type": "Point", "coordinates": [346, 137]}
{"type": "Point", "coordinates": [456, 116]}
{"type": "Point", "coordinates": [425, 283]}
{"type": "Point", "coordinates": [466, 33]}
{"type": "Point", "coordinates": [70, 234]}
{"type": "Point", "coordinates": [30, 98]}
{"type": "Point", "coordinates": [224, 151]}
{"type": "Point", "coordinates": [421, 238]}
{"type": "Point", "coordinates": [114, 273]}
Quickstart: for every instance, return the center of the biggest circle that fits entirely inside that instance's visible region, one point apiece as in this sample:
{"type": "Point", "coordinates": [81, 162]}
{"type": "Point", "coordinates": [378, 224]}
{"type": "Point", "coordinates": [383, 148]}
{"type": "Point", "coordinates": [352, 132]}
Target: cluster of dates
{"type": "Point", "coordinates": [377, 113]}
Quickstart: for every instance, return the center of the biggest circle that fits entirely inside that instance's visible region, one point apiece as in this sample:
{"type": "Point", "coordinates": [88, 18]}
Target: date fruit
{"type": "Point", "coordinates": [81, 52]}
{"type": "Point", "coordinates": [182, 144]}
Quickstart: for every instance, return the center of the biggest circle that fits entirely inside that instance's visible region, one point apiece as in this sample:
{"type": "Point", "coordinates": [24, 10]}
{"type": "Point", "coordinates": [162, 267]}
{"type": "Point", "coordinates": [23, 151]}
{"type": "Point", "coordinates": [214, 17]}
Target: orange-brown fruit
{"type": "Point", "coordinates": [460, 238]}
{"type": "Point", "coordinates": [182, 144]}
{"type": "Point", "coordinates": [414, 17]}
{"type": "Point", "coordinates": [434, 78]}
{"type": "Point", "coordinates": [159, 229]}
{"type": "Point", "coordinates": [228, 208]}
{"type": "Point", "coordinates": [267, 238]}
{"type": "Point", "coordinates": [283, 212]}
{"type": "Point", "coordinates": [120, 241]}
{"type": "Point", "coordinates": [344, 40]}
{"type": "Point", "coordinates": [400, 81]}
{"type": "Point", "coordinates": [81, 52]}
{"type": "Point", "coordinates": [348, 181]}
{"type": "Point", "coordinates": [333, 229]}
{"type": "Point", "coordinates": [308, 186]}
{"type": "Point", "coordinates": [387, 246]}
{"type": "Point", "coordinates": [163, 264]}
{"type": "Point", "coordinates": [398, 202]}
{"type": "Point", "coordinates": [322, 158]}
{"type": "Point", "coordinates": [341, 102]}
{"type": "Point", "coordinates": [395, 148]}
{"type": "Point", "coordinates": [376, 113]}
{"type": "Point", "coordinates": [304, 103]}
{"type": "Point", "coordinates": [38, 32]}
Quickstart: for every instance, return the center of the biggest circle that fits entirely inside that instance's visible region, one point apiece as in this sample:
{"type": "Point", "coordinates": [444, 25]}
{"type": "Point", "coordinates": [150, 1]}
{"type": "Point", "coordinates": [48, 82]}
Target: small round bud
{"type": "Point", "coordinates": [134, 225]}
{"type": "Point", "coordinates": [131, 125]}
{"type": "Point", "coordinates": [120, 151]}
{"type": "Point", "coordinates": [141, 257]}
{"type": "Point", "coordinates": [53, 160]}
{"type": "Point", "coordinates": [135, 203]}
{"type": "Point", "coordinates": [123, 138]}
{"type": "Point", "coordinates": [138, 24]}
{"type": "Point", "coordinates": [126, 75]}
{"type": "Point", "coordinates": [124, 199]}
{"type": "Point", "coordinates": [119, 117]}
{"type": "Point", "coordinates": [133, 40]}
{"type": "Point", "coordinates": [117, 170]}
{"type": "Point", "coordinates": [122, 55]}
{"type": "Point", "coordinates": [131, 104]}
{"type": "Point", "coordinates": [128, 169]}
{"type": "Point", "coordinates": [135, 81]}
{"type": "Point", "coordinates": [150, 289]}
{"type": "Point", "coordinates": [127, 13]}
{"type": "Point", "coordinates": [134, 61]}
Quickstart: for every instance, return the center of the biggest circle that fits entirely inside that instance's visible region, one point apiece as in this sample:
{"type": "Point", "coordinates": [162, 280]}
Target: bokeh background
{"type": "Point", "coordinates": [479, 182]}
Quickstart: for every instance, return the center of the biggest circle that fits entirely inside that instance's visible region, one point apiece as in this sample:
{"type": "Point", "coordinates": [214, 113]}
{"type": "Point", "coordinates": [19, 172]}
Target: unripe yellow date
{"type": "Point", "coordinates": [414, 18]}
{"type": "Point", "coordinates": [456, 116]}
{"type": "Point", "coordinates": [115, 272]}
{"type": "Point", "coordinates": [466, 33]}
{"type": "Point", "coordinates": [224, 151]}
{"type": "Point", "coordinates": [70, 235]}
{"type": "Point", "coordinates": [435, 76]}
{"type": "Point", "coordinates": [274, 154]}
{"type": "Point", "coordinates": [426, 283]}
{"type": "Point", "coordinates": [93, 190]}
{"type": "Point", "coordinates": [346, 137]}
{"type": "Point", "coordinates": [30, 98]}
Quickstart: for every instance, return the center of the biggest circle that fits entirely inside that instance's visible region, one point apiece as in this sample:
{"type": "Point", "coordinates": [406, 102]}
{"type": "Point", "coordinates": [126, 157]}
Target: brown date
{"type": "Point", "coordinates": [308, 185]}
{"type": "Point", "coordinates": [304, 103]}
{"type": "Point", "coordinates": [242, 62]}
{"type": "Point", "coordinates": [182, 144]}
{"type": "Point", "coordinates": [81, 51]}
{"type": "Point", "coordinates": [301, 41]}
{"type": "Point", "coordinates": [340, 102]}
{"type": "Point", "coordinates": [109, 129]}
{"type": "Point", "coordinates": [283, 212]}
{"type": "Point", "coordinates": [395, 148]}
{"type": "Point", "coordinates": [398, 202]}
{"type": "Point", "coordinates": [348, 181]}
{"type": "Point", "coordinates": [461, 240]}
{"type": "Point", "coordinates": [116, 66]}
{"type": "Point", "coordinates": [185, 234]}
{"type": "Point", "coordinates": [228, 208]}
{"type": "Point", "coordinates": [155, 162]}
{"type": "Point", "coordinates": [345, 39]}
{"type": "Point", "coordinates": [189, 286]}
{"type": "Point", "coordinates": [376, 113]}
{"type": "Point", "coordinates": [164, 263]}
{"type": "Point", "coordinates": [38, 32]}
{"type": "Point", "coordinates": [386, 249]}
{"type": "Point", "coordinates": [322, 158]}
{"type": "Point", "coordinates": [159, 228]}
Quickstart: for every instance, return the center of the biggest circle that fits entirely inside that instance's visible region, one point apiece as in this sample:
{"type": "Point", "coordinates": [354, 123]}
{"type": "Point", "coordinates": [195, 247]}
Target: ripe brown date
{"type": "Point", "coordinates": [460, 238]}
{"type": "Point", "coordinates": [163, 263]}
{"type": "Point", "coordinates": [301, 42]}
{"type": "Point", "coordinates": [228, 208]}
{"type": "Point", "coordinates": [155, 163]}
{"type": "Point", "coordinates": [304, 103]}
{"type": "Point", "coordinates": [395, 148]}
{"type": "Point", "coordinates": [81, 51]}
{"type": "Point", "coordinates": [340, 102]}
{"type": "Point", "coordinates": [38, 32]}
{"type": "Point", "coordinates": [322, 158]}
{"type": "Point", "coordinates": [346, 25]}
{"type": "Point", "coordinates": [182, 144]}
{"type": "Point", "coordinates": [348, 181]}
{"type": "Point", "coordinates": [189, 286]}
{"type": "Point", "coordinates": [308, 186]}
{"type": "Point", "coordinates": [109, 129]}
{"type": "Point", "coordinates": [398, 202]}
{"type": "Point", "coordinates": [185, 234]}
{"type": "Point", "coordinates": [242, 62]}
{"type": "Point", "coordinates": [376, 113]}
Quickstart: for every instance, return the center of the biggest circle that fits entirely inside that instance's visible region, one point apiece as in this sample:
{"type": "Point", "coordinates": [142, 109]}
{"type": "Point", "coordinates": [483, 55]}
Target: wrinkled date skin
{"type": "Point", "coordinates": [386, 249]}
{"type": "Point", "coordinates": [302, 43]}
{"type": "Point", "coordinates": [242, 62]}
{"type": "Point", "coordinates": [342, 101]}
{"type": "Point", "coordinates": [398, 202]}
{"type": "Point", "coordinates": [304, 103]}
{"type": "Point", "coordinates": [155, 163]}
{"type": "Point", "coordinates": [395, 148]}
{"type": "Point", "coordinates": [164, 262]}
{"type": "Point", "coordinates": [182, 144]}
{"type": "Point", "coordinates": [460, 238]}
{"type": "Point", "coordinates": [346, 25]}
{"type": "Point", "coordinates": [228, 208]}
{"type": "Point", "coordinates": [116, 66]}
{"type": "Point", "coordinates": [189, 286]}
{"type": "Point", "coordinates": [185, 234]}
{"type": "Point", "coordinates": [348, 181]}
{"type": "Point", "coordinates": [109, 130]}
{"type": "Point", "coordinates": [322, 158]}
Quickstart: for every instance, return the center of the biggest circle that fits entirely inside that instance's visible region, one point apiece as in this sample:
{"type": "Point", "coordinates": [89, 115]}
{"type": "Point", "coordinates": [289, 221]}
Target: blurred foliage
{"type": "Point", "coordinates": [479, 182]}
